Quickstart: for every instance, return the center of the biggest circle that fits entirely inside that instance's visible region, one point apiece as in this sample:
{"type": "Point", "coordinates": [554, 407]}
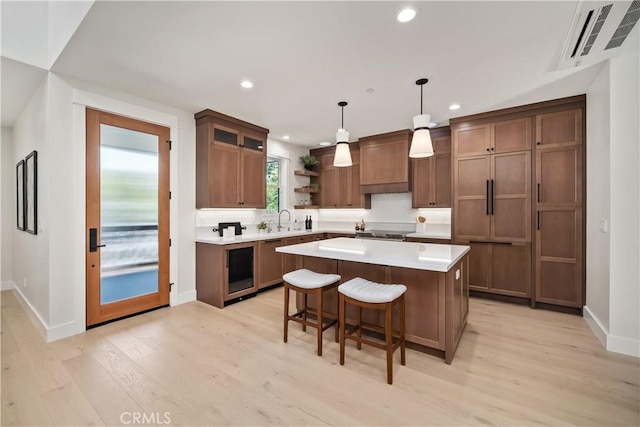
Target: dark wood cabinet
{"type": "Point", "coordinates": [230, 162]}
{"type": "Point", "coordinates": [559, 255]}
{"type": "Point", "coordinates": [432, 175]}
{"type": "Point", "coordinates": [340, 187]}
{"type": "Point", "coordinates": [270, 262]}
{"type": "Point", "coordinates": [518, 185]}
{"type": "Point", "coordinates": [500, 268]}
{"type": "Point", "coordinates": [213, 272]}
{"type": "Point", "coordinates": [384, 162]}
{"type": "Point", "coordinates": [492, 197]}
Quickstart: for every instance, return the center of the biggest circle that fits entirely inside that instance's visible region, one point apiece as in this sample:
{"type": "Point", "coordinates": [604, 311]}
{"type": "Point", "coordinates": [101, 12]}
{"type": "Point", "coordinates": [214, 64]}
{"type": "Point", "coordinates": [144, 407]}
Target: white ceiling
{"type": "Point", "coordinates": [304, 57]}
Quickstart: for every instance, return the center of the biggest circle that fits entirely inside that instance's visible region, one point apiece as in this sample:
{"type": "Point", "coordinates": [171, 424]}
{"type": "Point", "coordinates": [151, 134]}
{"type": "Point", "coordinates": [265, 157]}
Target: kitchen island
{"type": "Point", "coordinates": [436, 277]}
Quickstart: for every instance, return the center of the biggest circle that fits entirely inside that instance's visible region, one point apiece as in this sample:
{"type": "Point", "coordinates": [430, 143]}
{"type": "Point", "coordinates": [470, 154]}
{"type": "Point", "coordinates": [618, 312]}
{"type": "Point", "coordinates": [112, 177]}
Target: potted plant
{"type": "Point", "coordinates": [262, 226]}
{"type": "Point", "coordinates": [314, 186]}
{"type": "Point", "coordinates": [308, 161]}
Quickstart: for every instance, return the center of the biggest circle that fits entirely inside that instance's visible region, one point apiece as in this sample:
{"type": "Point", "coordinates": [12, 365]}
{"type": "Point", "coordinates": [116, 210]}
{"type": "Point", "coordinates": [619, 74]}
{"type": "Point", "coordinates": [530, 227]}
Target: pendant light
{"type": "Point", "coordinates": [421, 145]}
{"type": "Point", "coordinates": [342, 157]}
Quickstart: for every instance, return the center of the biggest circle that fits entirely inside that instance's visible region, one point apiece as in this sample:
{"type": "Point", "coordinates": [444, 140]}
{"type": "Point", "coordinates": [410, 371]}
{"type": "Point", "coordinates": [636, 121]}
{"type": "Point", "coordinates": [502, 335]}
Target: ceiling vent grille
{"type": "Point", "coordinates": [626, 25]}
{"type": "Point", "coordinates": [604, 12]}
{"type": "Point", "coordinates": [597, 28]}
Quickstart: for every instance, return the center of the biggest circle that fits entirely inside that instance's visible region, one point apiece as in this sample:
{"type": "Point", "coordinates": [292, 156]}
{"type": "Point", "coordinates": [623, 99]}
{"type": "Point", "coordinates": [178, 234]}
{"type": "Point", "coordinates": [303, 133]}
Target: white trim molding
{"type": "Point", "coordinates": [32, 313]}
{"type": "Point", "coordinates": [7, 285]}
{"type": "Point", "coordinates": [596, 326]}
{"type": "Point", "coordinates": [184, 297]}
{"type": "Point", "coordinates": [613, 343]}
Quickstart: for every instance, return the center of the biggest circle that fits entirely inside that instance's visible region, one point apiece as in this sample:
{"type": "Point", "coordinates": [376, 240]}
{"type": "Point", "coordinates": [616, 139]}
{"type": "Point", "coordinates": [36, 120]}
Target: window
{"type": "Point", "coordinates": [273, 185]}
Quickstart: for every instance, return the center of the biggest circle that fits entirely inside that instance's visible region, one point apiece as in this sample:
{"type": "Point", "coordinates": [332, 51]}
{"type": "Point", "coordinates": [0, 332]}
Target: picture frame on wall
{"type": "Point", "coordinates": [20, 195]}
{"type": "Point", "coordinates": [31, 188]}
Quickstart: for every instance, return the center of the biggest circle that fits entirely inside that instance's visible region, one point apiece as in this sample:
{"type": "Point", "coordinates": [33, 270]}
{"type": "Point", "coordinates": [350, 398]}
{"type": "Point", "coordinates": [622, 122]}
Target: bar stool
{"type": "Point", "coordinates": [308, 282]}
{"type": "Point", "coordinates": [365, 294]}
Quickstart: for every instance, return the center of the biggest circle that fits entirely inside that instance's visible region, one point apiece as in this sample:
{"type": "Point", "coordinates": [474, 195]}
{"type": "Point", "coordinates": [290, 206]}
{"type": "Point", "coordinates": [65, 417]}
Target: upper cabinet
{"type": "Point", "coordinates": [384, 162]}
{"type": "Point", "coordinates": [493, 138]}
{"type": "Point", "coordinates": [339, 187]}
{"type": "Point", "coordinates": [559, 128]}
{"type": "Point", "coordinates": [432, 175]}
{"type": "Point", "coordinates": [230, 162]}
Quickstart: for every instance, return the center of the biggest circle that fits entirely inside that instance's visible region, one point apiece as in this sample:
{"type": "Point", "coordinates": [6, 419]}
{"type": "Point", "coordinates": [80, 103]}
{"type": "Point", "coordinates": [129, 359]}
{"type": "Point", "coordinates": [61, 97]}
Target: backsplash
{"type": "Point", "coordinates": [390, 211]}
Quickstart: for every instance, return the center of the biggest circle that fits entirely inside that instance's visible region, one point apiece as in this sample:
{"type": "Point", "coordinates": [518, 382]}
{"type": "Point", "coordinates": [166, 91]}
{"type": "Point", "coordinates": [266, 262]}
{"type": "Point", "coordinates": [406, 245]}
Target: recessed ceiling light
{"type": "Point", "coordinates": [246, 84]}
{"type": "Point", "coordinates": [371, 90]}
{"type": "Point", "coordinates": [406, 14]}
{"type": "Point", "coordinates": [286, 137]}
{"type": "Point", "coordinates": [454, 106]}
{"type": "Point", "coordinates": [324, 144]}
{"type": "Point", "coordinates": [433, 124]}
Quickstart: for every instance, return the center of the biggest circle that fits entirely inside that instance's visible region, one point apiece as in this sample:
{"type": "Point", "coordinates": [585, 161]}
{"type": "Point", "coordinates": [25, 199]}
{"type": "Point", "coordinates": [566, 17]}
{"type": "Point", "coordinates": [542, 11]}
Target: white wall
{"type": "Point", "coordinates": [52, 263]}
{"type": "Point", "coordinates": [31, 252]}
{"type": "Point", "coordinates": [613, 193]}
{"type": "Point", "coordinates": [624, 319]}
{"type": "Point", "coordinates": [7, 208]}
{"type": "Point", "coordinates": [598, 202]}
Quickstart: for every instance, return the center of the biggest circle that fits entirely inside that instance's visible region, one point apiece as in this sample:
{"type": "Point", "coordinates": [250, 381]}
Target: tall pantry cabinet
{"type": "Point", "coordinates": [518, 201]}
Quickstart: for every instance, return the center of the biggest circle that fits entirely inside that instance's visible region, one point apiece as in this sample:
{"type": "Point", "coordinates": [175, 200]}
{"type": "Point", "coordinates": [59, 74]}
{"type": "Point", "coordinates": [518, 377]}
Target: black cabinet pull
{"type": "Point", "coordinates": [487, 201]}
{"type": "Point", "coordinates": [538, 197]}
{"type": "Point", "coordinates": [488, 149]}
{"type": "Point", "coordinates": [538, 143]}
{"type": "Point", "coordinates": [538, 221]}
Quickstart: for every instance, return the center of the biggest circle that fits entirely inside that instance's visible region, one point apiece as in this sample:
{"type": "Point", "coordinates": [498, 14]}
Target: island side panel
{"type": "Point", "coordinates": [457, 306]}
{"type": "Point", "coordinates": [425, 305]}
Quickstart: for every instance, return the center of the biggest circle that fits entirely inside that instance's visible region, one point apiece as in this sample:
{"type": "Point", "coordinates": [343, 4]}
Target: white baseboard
{"type": "Point", "coordinates": [32, 313]}
{"type": "Point", "coordinates": [596, 326]}
{"type": "Point", "coordinates": [613, 343]}
{"type": "Point", "coordinates": [623, 345]}
{"type": "Point", "coordinates": [7, 285]}
{"type": "Point", "coordinates": [185, 297]}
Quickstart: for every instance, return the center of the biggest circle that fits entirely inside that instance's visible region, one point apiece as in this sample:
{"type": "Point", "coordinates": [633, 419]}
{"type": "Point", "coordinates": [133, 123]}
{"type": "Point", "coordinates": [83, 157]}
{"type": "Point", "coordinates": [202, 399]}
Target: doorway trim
{"type": "Point", "coordinates": [82, 100]}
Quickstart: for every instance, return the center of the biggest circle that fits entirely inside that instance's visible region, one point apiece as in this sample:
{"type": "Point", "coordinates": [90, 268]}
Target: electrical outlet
{"type": "Point", "coordinates": [603, 226]}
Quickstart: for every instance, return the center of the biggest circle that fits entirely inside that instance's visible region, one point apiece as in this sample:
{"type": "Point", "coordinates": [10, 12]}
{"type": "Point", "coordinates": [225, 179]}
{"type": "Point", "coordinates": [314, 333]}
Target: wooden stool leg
{"type": "Point", "coordinates": [337, 306]}
{"type": "Point", "coordinates": [359, 342]}
{"type": "Point", "coordinates": [402, 326]}
{"type": "Point", "coordinates": [304, 312]}
{"type": "Point", "coordinates": [388, 332]}
{"type": "Point", "coordinates": [319, 302]}
{"type": "Point", "coordinates": [341, 309]}
{"type": "Point", "coordinates": [286, 311]}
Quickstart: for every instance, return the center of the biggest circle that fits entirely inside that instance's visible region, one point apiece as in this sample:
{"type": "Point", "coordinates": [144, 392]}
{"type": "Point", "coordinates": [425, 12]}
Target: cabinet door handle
{"type": "Point", "coordinates": [487, 201]}
{"type": "Point", "coordinates": [538, 197]}
{"type": "Point", "coordinates": [538, 221]}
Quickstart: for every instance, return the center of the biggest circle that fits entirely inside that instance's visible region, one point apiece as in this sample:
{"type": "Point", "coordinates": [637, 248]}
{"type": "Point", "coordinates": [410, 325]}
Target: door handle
{"type": "Point", "coordinates": [487, 201]}
{"type": "Point", "coordinates": [93, 240]}
{"type": "Point", "coordinates": [538, 220]}
{"type": "Point", "coordinates": [538, 197]}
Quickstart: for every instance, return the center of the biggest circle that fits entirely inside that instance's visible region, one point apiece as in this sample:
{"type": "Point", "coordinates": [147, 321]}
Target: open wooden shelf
{"type": "Point", "coordinates": [306, 207]}
{"type": "Point", "coordinates": [306, 173]}
{"type": "Point", "coordinates": [305, 190]}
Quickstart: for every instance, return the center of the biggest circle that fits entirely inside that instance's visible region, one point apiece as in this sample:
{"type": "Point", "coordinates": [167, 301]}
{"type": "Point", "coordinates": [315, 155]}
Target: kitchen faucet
{"type": "Point", "coordinates": [280, 226]}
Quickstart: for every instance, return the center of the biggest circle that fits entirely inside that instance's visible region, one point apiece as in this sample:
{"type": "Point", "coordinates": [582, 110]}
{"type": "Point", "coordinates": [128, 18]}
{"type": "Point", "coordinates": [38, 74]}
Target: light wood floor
{"type": "Point", "coordinates": [205, 366]}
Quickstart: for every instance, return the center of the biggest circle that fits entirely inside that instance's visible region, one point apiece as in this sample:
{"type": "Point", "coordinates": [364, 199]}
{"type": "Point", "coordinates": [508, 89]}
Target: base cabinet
{"type": "Point", "coordinates": [271, 263]}
{"type": "Point", "coordinates": [500, 268]}
{"type": "Point", "coordinates": [222, 274]}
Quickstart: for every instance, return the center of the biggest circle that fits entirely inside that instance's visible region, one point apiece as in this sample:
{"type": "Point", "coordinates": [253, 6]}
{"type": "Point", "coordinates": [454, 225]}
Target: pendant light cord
{"type": "Point", "coordinates": [421, 90]}
{"type": "Point", "coordinates": [342, 124]}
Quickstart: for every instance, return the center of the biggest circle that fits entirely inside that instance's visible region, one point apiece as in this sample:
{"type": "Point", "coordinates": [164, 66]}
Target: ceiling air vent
{"type": "Point", "coordinates": [598, 27]}
{"type": "Point", "coordinates": [626, 25]}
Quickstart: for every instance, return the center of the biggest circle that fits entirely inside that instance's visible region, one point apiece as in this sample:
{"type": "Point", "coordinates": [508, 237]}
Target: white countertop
{"type": "Point", "coordinates": [421, 256]}
{"type": "Point", "coordinates": [254, 237]}
{"type": "Point", "coordinates": [434, 231]}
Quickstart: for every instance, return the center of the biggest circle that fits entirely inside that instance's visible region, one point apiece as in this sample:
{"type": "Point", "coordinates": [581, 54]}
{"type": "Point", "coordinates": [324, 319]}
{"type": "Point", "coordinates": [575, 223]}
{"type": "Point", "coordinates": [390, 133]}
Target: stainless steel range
{"type": "Point", "coordinates": [397, 236]}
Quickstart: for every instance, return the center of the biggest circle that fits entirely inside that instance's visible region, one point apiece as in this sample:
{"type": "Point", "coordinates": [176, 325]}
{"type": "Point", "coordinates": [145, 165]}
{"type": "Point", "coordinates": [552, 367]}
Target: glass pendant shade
{"type": "Point", "coordinates": [421, 145]}
{"type": "Point", "coordinates": [342, 157]}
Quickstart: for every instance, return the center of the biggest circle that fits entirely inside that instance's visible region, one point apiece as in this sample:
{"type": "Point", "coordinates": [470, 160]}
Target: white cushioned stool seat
{"type": "Point", "coordinates": [308, 279]}
{"type": "Point", "coordinates": [371, 292]}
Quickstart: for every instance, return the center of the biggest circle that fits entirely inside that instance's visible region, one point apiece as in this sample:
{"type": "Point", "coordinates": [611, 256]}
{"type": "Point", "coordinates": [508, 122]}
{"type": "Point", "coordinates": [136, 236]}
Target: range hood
{"type": "Point", "coordinates": [597, 30]}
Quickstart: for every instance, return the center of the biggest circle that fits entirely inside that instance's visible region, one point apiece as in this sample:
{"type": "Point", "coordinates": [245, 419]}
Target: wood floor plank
{"type": "Point", "coordinates": [207, 366]}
